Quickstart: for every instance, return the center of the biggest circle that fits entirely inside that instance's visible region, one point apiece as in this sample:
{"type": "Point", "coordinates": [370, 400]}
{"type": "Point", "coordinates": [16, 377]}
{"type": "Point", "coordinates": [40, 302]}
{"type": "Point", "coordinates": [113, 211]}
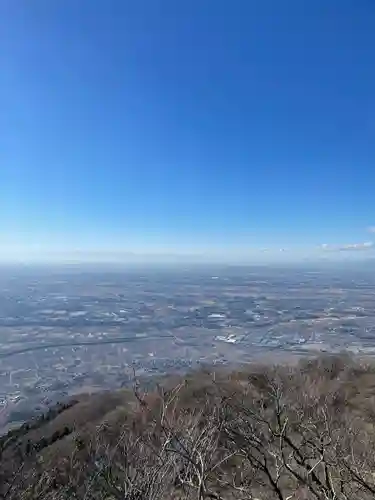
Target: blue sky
{"type": "Point", "coordinates": [214, 127]}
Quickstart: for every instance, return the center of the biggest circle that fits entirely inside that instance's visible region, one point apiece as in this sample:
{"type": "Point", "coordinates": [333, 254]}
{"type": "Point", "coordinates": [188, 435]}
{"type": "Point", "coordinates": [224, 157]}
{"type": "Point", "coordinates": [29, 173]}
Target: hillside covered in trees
{"type": "Point", "coordinates": [263, 432]}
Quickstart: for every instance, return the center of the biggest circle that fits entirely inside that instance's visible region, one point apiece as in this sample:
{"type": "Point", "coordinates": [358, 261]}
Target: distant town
{"type": "Point", "coordinates": [66, 331]}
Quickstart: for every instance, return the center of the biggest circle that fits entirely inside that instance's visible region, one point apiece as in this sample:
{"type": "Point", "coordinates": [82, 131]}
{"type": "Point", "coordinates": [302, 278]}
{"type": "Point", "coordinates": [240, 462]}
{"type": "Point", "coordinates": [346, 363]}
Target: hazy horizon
{"type": "Point", "coordinates": [246, 257]}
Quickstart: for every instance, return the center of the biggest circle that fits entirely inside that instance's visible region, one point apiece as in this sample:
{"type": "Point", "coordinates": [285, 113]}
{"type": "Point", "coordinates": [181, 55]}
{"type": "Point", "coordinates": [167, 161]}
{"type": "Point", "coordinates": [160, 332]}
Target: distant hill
{"type": "Point", "coordinates": [276, 432]}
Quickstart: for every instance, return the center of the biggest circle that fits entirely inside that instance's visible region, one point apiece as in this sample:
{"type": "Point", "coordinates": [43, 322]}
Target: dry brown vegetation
{"type": "Point", "coordinates": [281, 432]}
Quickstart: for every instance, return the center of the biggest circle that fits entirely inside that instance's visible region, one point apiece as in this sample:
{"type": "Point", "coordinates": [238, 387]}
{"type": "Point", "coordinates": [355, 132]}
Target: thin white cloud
{"type": "Point", "coordinates": [371, 229]}
{"type": "Point", "coordinates": [351, 247]}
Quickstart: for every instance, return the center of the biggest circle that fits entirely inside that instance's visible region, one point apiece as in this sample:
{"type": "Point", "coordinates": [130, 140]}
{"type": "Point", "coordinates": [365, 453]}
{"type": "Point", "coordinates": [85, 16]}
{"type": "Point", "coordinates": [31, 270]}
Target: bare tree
{"type": "Point", "coordinates": [283, 433]}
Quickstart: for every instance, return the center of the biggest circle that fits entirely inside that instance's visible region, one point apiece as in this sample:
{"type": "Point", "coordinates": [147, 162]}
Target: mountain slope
{"type": "Point", "coordinates": [264, 432]}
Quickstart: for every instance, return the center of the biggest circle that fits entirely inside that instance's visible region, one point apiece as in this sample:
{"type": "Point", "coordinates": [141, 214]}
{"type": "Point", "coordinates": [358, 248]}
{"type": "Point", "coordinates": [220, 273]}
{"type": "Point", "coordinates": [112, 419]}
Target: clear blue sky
{"type": "Point", "coordinates": [176, 126]}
